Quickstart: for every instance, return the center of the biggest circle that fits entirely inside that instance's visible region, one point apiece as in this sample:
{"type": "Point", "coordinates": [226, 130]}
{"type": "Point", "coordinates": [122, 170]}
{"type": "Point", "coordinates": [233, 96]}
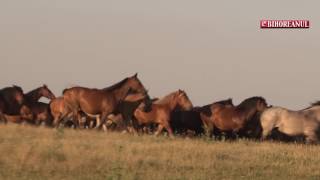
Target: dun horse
{"type": "Point", "coordinates": [100, 102]}
{"type": "Point", "coordinates": [161, 111]}
{"type": "Point", "coordinates": [292, 123]}
{"type": "Point", "coordinates": [231, 119]}
{"type": "Point", "coordinates": [11, 99]}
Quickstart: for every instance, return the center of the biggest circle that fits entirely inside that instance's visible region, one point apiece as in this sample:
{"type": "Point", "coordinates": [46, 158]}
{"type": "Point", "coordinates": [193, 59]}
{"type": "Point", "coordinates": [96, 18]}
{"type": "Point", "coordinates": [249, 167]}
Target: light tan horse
{"type": "Point", "coordinates": [161, 111]}
{"type": "Point", "coordinates": [292, 123]}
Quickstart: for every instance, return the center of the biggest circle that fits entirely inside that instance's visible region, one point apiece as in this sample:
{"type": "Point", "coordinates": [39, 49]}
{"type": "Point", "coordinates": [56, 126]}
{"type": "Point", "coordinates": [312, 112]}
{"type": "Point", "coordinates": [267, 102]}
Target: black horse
{"type": "Point", "coordinates": [184, 121]}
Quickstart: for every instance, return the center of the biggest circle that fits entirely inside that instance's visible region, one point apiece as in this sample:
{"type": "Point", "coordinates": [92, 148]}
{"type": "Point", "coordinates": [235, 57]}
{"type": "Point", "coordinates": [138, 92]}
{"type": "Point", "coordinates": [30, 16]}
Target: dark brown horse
{"type": "Point", "coordinates": [206, 113]}
{"type": "Point", "coordinates": [191, 121]}
{"type": "Point", "coordinates": [231, 119]}
{"type": "Point", "coordinates": [36, 94]}
{"type": "Point", "coordinates": [101, 102]}
{"type": "Point", "coordinates": [183, 122]}
{"type": "Point", "coordinates": [161, 111]}
{"type": "Point", "coordinates": [40, 110]}
{"type": "Point", "coordinates": [11, 99]}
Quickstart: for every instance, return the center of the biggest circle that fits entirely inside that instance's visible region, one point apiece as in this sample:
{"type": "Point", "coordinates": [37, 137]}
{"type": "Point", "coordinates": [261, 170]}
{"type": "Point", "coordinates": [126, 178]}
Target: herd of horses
{"type": "Point", "coordinates": [127, 106]}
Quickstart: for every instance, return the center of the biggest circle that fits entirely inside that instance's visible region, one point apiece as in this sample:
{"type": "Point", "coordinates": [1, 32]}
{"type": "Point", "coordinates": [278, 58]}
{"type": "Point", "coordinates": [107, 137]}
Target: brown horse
{"type": "Point", "coordinates": [232, 119]}
{"type": "Point", "coordinates": [126, 107]}
{"type": "Point", "coordinates": [36, 94]}
{"type": "Point", "coordinates": [191, 121]}
{"type": "Point", "coordinates": [161, 111]}
{"type": "Point", "coordinates": [206, 113]}
{"type": "Point", "coordinates": [40, 110]}
{"type": "Point", "coordinates": [101, 102]}
{"type": "Point", "coordinates": [11, 100]}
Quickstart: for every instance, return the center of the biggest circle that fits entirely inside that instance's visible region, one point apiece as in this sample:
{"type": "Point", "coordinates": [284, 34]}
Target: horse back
{"type": "Point", "coordinates": [91, 101]}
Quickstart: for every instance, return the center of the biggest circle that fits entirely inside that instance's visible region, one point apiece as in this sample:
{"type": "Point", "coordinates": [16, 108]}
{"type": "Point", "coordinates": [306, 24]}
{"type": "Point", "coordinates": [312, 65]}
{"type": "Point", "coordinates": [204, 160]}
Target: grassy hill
{"type": "Point", "coordinates": [41, 153]}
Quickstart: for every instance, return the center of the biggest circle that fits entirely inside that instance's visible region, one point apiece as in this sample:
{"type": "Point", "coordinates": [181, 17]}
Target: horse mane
{"type": "Point", "coordinates": [166, 98]}
{"type": "Point", "coordinates": [317, 103]}
{"type": "Point", "coordinates": [116, 86]}
{"type": "Point", "coordinates": [223, 102]}
{"type": "Point", "coordinates": [206, 109]}
{"type": "Point", "coordinates": [33, 91]}
{"type": "Point", "coordinates": [249, 102]}
{"type": "Point", "coordinates": [15, 87]}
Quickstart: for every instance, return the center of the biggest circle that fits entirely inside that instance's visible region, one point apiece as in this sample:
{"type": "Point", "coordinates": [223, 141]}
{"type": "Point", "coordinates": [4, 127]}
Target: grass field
{"type": "Point", "coordinates": [41, 153]}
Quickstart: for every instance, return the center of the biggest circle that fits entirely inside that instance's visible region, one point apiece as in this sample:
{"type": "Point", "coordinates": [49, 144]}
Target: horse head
{"type": "Point", "coordinates": [18, 94]}
{"type": "Point", "coordinates": [45, 92]}
{"type": "Point", "coordinates": [183, 100]}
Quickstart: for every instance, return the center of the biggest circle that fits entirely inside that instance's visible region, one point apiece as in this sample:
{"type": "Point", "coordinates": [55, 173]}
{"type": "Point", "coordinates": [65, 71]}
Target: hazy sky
{"type": "Point", "coordinates": [212, 49]}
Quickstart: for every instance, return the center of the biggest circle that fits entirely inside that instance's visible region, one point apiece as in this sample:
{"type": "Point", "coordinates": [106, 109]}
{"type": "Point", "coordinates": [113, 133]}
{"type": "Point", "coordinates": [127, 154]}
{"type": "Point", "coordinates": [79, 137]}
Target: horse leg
{"type": "Point", "coordinates": [3, 118]}
{"type": "Point", "coordinates": [56, 120]}
{"type": "Point", "coordinates": [160, 128]}
{"type": "Point", "coordinates": [311, 136]}
{"type": "Point", "coordinates": [98, 121]}
{"type": "Point", "coordinates": [168, 128]}
{"type": "Point", "coordinates": [266, 131]}
{"type": "Point", "coordinates": [103, 119]}
{"type": "Point", "coordinates": [216, 133]}
{"type": "Point", "coordinates": [75, 119]}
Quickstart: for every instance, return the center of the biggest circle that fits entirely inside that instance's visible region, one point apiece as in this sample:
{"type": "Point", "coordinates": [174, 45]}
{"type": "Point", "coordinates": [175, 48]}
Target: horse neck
{"type": "Point", "coordinates": [173, 103]}
{"type": "Point", "coordinates": [33, 95]}
{"type": "Point", "coordinates": [121, 92]}
{"type": "Point", "coordinates": [249, 112]}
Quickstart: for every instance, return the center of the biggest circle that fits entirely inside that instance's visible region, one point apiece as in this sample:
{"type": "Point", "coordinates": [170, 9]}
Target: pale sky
{"type": "Point", "coordinates": [212, 49]}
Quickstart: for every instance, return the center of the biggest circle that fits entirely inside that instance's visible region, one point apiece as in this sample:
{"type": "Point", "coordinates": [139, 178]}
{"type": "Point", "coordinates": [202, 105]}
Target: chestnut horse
{"type": "Point", "coordinates": [161, 111]}
{"type": "Point", "coordinates": [100, 102]}
{"type": "Point", "coordinates": [11, 100]}
{"type": "Point", "coordinates": [59, 110]}
{"type": "Point", "coordinates": [232, 119]}
{"type": "Point", "coordinates": [40, 110]}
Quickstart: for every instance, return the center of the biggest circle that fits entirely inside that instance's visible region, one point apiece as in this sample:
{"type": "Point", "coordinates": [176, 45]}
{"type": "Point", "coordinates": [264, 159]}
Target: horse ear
{"type": "Point", "coordinates": [135, 75]}
{"type": "Point", "coordinates": [45, 86]}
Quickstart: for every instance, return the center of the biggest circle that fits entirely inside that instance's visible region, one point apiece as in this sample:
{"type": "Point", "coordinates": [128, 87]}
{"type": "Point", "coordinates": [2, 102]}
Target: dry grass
{"type": "Point", "coordinates": [40, 153]}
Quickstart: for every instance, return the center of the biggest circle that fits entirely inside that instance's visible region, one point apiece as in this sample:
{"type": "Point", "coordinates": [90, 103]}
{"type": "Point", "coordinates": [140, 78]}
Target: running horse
{"type": "Point", "coordinates": [206, 114]}
{"type": "Point", "coordinates": [292, 124]}
{"type": "Point", "coordinates": [11, 100]}
{"type": "Point", "coordinates": [125, 109]}
{"type": "Point", "coordinates": [161, 110]}
{"type": "Point", "coordinates": [232, 119]}
{"type": "Point", "coordinates": [100, 103]}
{"type": "Point", "coordinates": [40, 110]}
